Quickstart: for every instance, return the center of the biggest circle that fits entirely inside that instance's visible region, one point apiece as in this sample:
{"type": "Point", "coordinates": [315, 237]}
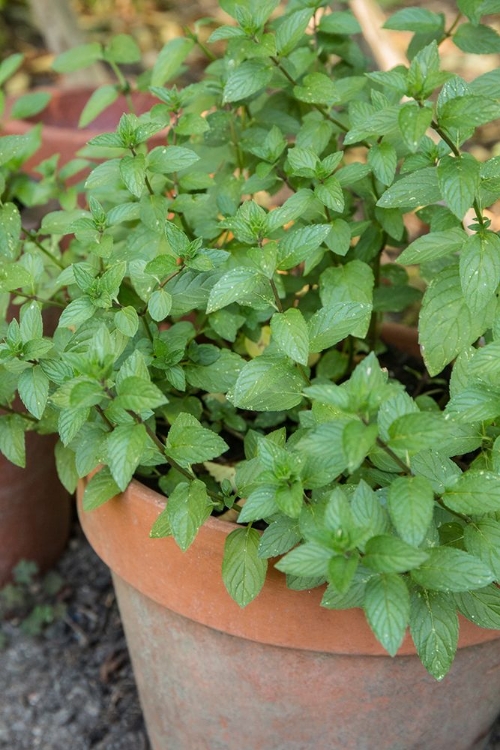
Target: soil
{"type": "Point", "coordinates": [73, 686]}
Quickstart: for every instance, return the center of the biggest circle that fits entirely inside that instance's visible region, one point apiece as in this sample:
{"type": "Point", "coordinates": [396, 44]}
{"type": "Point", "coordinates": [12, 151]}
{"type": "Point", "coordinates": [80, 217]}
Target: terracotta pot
{"type": "Point", "coordinates": [61, 134]}
{"type": "Point", "coordinates": [34, 509]}
{"type": "Point", "coordinates": [283, 673]}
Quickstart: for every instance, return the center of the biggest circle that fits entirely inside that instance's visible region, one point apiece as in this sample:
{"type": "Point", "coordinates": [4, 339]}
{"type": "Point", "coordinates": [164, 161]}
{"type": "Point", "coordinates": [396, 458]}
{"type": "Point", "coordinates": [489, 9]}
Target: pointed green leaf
{"type": "Point", "coordinates": [474, 492]}
{"type": "Point", "coordinates": [387, 609]}
{"type": "Point", "coordinates": [268, 384]}
{"type": "Point", "coordinates": [33, 387]}
{"type": "Point", "coordinates": [125, 446]}
{"type": "Point", "coordinates": [243, 571]}
{"type": "Point", "coordinates": [101, 488]}
{"type": "Point", "coordinates": [188, 442]}
{"type": "Point", "coordinates": [289, 331]}
{"type": "Point", "coordinates": [388, 554]}
{"type": "Point", "coordinates": [411, 506]}
{"type": "Point", "coordinates": [188, 508]}
{"type": "Point", "coordinates": [434, 629]}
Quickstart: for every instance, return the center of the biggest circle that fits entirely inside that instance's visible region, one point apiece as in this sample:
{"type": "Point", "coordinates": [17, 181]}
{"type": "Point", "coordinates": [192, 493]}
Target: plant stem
{"type": "Point", "coordinates": [31, 236]}
{"type": "Point", "coordinates": [26, 416]}
{"type": "Point", "coordinates": [276, 296]}
{"type": "Point", "coordinates": [456, 152]}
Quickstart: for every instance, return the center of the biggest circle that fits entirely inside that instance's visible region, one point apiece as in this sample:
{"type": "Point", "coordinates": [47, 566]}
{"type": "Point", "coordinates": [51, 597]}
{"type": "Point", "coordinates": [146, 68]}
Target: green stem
{"type": "Point", "coordinates": [456, 152]}
{"type": "Point", "coordinates": [28, 417]}
{"type": "Point", "coordinates": [33, 238]}
{"type": "Point", "coordinates": [123, 84]}
{"type": "Point", "coordinates": [276, 296]}
{"type": "Point", "coordinates": [191, 35]}
{"type": "Point", "coordinates": [33, 297]}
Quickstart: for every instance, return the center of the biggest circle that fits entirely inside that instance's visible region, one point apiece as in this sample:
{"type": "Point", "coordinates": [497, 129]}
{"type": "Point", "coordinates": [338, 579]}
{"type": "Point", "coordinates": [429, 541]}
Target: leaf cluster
{"type": "Point", "coordinates": [219, 300]}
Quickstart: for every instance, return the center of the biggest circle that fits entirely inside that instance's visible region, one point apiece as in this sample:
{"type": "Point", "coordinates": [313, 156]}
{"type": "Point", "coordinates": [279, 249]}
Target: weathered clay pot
{"type": "Point", "coordinates": [34, 509]}
{"type": "Point", "coordinates": [61, 134]}
{"type": "Point", "coordinates": [283, 673]}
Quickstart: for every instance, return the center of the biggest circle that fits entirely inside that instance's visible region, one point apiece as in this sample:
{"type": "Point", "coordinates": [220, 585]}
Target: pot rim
{"type": "Point", "coordinates": [119, 533]}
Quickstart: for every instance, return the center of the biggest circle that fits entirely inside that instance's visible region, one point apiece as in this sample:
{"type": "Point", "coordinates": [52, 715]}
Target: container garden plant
{"type": "Point", "coordinates": [219, 342]}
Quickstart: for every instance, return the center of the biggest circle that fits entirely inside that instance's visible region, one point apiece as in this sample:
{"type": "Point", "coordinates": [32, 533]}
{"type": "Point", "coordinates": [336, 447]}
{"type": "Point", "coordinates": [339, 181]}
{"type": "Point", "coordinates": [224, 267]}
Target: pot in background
{"type": "Point", "coordinates": [34, 509]}
{"type": "Point", "coordinates": [61, 134]}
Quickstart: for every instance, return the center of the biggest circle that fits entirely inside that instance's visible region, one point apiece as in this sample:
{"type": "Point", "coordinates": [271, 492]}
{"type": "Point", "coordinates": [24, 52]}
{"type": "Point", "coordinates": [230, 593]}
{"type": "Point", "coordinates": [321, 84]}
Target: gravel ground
{"type": "Point", "coordinates": [72, 688]}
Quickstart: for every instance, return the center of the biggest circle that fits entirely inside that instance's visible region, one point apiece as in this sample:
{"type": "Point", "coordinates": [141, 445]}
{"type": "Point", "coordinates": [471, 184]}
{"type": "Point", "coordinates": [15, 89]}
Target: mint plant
{"type": "Point", "coordinates": [221, 299]}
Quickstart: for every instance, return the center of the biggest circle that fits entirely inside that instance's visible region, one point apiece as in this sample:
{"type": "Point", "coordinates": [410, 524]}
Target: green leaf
{"type": "Point", "coordinates": [418, 431]}
{"type": "Point", "coordinates": [161, 527]}
{"type": "Point", "coordinates": [480, 269]}
{"type": "Point", "coordinates": [291, 29]}
{"type": "Point", "coordinates": [279, 537]}
{"type": "Point", "coordinates": [482, 539]}
{"type": "Point", "coordinates": [383, 161]}
{"type": "Point", "coordinates": [447, 325]}
{"type": "Point", "coordinates": [101, 488]}
{"type": "Point", "coordinates": [339, 23]}
{"type": "Point", "coordinates": [188, 508]}
{"type": "Point", "coordinates": [127, 321]}
{"type": "Point", "coordinates": [99, 100]}
{"type": "Point", "coordinates": [289, 332]}
{"type": "Point", "coordinates": [123, 48]}
{"type": "Point", "coordinates": [468, 111]}
{"type": "Point", "coordinates": [413, 123]}
{"type": "Point", "coordinates": [242, 285]}
{"type": "Point", "coordinates": [10, 232]}
{"type": "Point", "coordinates": [78, 58]}
{"type": "Point", "coordinates": [474, 492]}
{"type": "Point", "coordinates": [433, 246]}
{"type": "Point", "coordinates": [410, 503]}
{"type": "Point", "coordinates": [477, 39]}
{"type": "Point", "coordinates": [388, 554]}
{"type": "Point", "coordinates": [33, 387]}
{"type": "Point", "coordinates": [331, 324]}
{"type": "Point", "coordinates": [125, 446]}
{"type": "Point", "coordinates": [133, 173]}
{"type": "Point", "coordinates": [268, 384]}
{"type": "Point", "coordinates": [317, 88]}
{"type": "Point", "coordinates": [419, 20]}
{"type": "Point", "coordinates": [419, 188]}
{"type": "Point", "coordinates": [297, 245]}
{"type": "Point", "coordinates": [458, 178]}
{"type": "Point", "coordinates": [248, 78]}
{"type": "Point", "coordinates": [138, 394]}
{"type": "Point", "coordinates": [169, 159]}
{"type": "Point", "coordinates": [66, 467]}
{"type": "Point", "coordinates": [450, 569]}
{"type": "Point", "coordinates": [352, 282]}
{"type": "Point", "coordinates": [387, 609]}
{"type": "Point", "coordinates": [9, 66]}
{"type": "Point", "coordinates": [170, 59]}
{"type": "Point", "coordinates": [434, 629]}
{"type": "Point", "coordinates": [330, 194]}
{"type": "Point", "coordinates": [160, 304]}
{"type": "Point", "coordinates": [225, 32]}
{"type": "Point", "coordinates": [12, 441]}
{"type": "Point", "coordinates": [439, 470]}
{"type": "Point", "coordinates": [30, 104]}
{"type": "Point", "coordinates": [309, 559]}
{"type": "Point", "coordinates": [243, 571]}
{"type": "Point", "coordinates": [358, 440]}
{"type": "Point", "coordinates": [190, 443]}
{"type": "Point", "coordinates": [481, 607]}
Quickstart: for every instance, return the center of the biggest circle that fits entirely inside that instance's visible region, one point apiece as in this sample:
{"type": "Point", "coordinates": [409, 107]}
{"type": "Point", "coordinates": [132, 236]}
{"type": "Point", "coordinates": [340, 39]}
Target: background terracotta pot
{"type": "Point", "coordinates": [34, 509]}
{"type": "Point", "coordinates": [281, 673]}
{"type": "Point", "coordinates": [61, 134]}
